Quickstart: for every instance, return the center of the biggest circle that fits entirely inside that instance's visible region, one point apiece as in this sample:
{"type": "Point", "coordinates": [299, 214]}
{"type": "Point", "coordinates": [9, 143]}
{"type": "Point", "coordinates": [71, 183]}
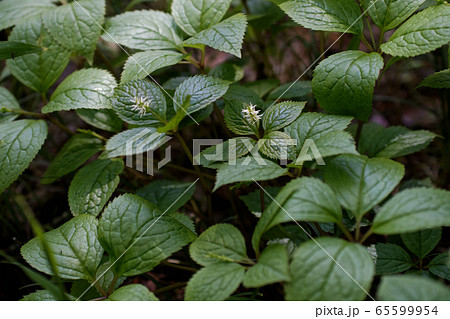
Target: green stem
{"type": "Point", "coordinates": [177, 266]}
{"type": "Point", "coordinates": [366, 235]}
{"type": "Point", "coordinates": [345, 231]}
{"type": "Point", "coordinates": [371, 33]}
{"type": "Point", "coordinates": [169, 288]}
{"type": "Point", "coordinates": [358, 132]}
{"type": "Point", "coordinates": [112, 286]}
{"type": "Point", "coordinates": [100, 289]}
{"type": "Point", "coordinates": [381, 40]}
{"type": "Point", "coordinates": [364, 40]}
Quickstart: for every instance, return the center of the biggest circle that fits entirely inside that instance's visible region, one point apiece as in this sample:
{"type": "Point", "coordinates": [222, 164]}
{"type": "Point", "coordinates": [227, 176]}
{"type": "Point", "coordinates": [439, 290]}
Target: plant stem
{"type": "Point", "coordinates": [112, 286]}
{"type": "Point", "coordinates": [100, 289]}
{"type": "Point", "coordinates": [345, 231]}
{"type": "Point", "coordinates": [177, 266]}
{"type": "Point", "coordinates": [364, 40]}
{"type": "Point", "coordinates": [189, 171]}
{"type": "Point", "coordinates": [358, 132]}
{"type": "Point", "coordinates": [358, 229]}
{"type": "Point", "coordinates": [371, 34]}
{"type": "Point", "coordinates": [169, 288]}
{"type": "Point", "coordinates": [366, 235]}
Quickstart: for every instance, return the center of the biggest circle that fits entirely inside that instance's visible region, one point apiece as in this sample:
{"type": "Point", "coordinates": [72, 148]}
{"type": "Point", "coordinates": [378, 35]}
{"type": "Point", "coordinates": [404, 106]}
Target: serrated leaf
{"type": "Point", "coordinates": [133, 292]}
{"type": "Point", "coordinates": [329, 281]}
{"type": "Point", "coordinates": [361, 183]}
{"type": "Point", "coordinates": [422, 33]}
{"type": "Point", "coordinates": [75, 246]}
{"type": "Point", "coordinates": [438, 80]}
{"type": "Point", "coordinates": [104, 119]}
{"type": "Point", "coordinates": [219, 243]}
{"type": "Point", "coordinates": [226, 36]}
{"type": "Point", "coordinates": [276, 145]}
{"type": "Point", "coordinates": [77, 150]}
{"type": "Point", "coordinates": [389, 14]}
{"type": "Point", "coordinates": [411, 288]}
{"type": "Point", "coordinates": [142, 64]}
{"type": "Point", "coordinates": [236, 121]}
{"type": "Point", "coordinates": [144, 30]}
{"type": "Point", "coordinates": [13, 12]}
{"type": "Point", "coordinates": [439, 266]}
{"type": "Point", "coordinates": [137, 236]}
{"type": "Point", "coordinates": [281, 114]}
{"type": "Point", "coordinates": [77, 25]}
{"type": "Point", "coordinates": [343, 83]}
{"type": "Point", "coordinates": [8, 101]}
{"type": "Point", "coordinates": [140, 102]}
{"type": "Point", "coordinates": [413, 209]}
{"type": "Point", "coordinates": [202, 90]}
{"type": "Point", "coordinates": [20, 141]}
{"type": "Point", "coordinates": [93, 185]}
{"type": "Point", "coordinates": [391, 259]}
{"type": "Point", "coordinates": [214, 282]}
{"type": "Point", "coordinates": [272, 267]}
{"type": "Point", "coordinates": [336, 143]}
{"type": "Point", "coordinates": [167, 195]}
{"type": "Point", "coordinates": [38, 71]}
{"type": "Point", "coordinates": [228, 71]}
{"type": "Point", "coordinates": [246, 170]}
{"type": "Point", "coordinates": [13, 49]}
{"type": "Point", "coordinates": [422, 242]}
{"type": "Point", "coordinates": [134, 141]}
{"type": "Point", "coordinates": [303, 199]}
{"type": "Point", "coordinates": [326, 15]}
{"type": "Point", "coordinates": [83, 89]}
{"type": "Point", "coordinates": [194, 16]}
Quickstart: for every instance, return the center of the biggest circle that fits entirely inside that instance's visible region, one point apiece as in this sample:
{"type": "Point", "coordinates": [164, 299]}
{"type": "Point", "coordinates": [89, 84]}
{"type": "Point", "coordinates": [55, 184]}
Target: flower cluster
{"type": "Point", "coordinates": [140, 104]}
{"type": "Point", "coordinates": [251, 114]}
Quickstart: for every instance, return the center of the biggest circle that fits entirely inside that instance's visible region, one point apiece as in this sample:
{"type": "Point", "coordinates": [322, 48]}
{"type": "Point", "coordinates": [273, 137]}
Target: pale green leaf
{"type": "Point", "coordinates": [9, 102]}
{"type": "Point", "coordinates": [422, 242]}
{"type": "Point", "coordinates": [133, 292]}
{"type": "Point", "coordinates": [43, 295]}
{"type": "Point", "coordinates": [391, 259]}
{"type": "Point", "coordinates": [336, 143]}
{"type": "Point", "coordinates": [13, 11]}
{"type": "Point", "coordinates": [235, 119]}
{"type": "Point", "coordinates": [104, 119]}
{"type": "Point", "coordinates": [281, 114]}
{"type": "Point", "coordinates": [276, 145]}
{"type": "Point", "coordinates": [411, 288]}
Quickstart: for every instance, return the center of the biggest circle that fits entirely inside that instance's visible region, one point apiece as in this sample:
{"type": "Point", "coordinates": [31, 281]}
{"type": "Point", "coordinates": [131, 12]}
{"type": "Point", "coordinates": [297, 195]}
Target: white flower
{"type": "Point", "coordinates": [141, 104]}
{"type": "Point", "coordinates": [251, 114]}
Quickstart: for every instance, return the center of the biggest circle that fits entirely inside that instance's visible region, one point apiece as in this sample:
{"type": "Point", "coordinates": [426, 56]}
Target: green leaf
{"type": "Point", "coordinates": [281, 114]}
{"type": "Point", "coordinates": [77, 150]}
{"type": "Point", "coordinates": [389, 14]}
{"type": "Point", "coordinates": [134, 141]}
{"type": "Point", "coordinates": [83, 89]}
{"type": "Point", "coordinates": [391, 259]}
{"type": "Point", "coordinates": [411, 288]}
{"type": "Point", "coordinates": [202, 90]}
{"type": "Point", "coordinates": [133, 292]}
{"type": "Point", "coordinates": [344, 83]}
{"type": "Point", "coordinates": [13, 49]}
{"type": "Point", "coordinates": [276, 145]}
{"type": "Point", "coordinates": [246, 170]}
{"type": "Point", "coordinates": [438, 266]}
{"type": "Point", "coordinates": [8, 101]}
{"type": "Point", "coordinates": [291, 90]}
{"type": "Point", "coordinates": [93, 185]}
{"type": "Point", "coordinates": [228, 71]}
{"type": "Point", "coordinates": [20, 141]}
{"type": "Point", "coordinates": [140, 102]}
{"type": "Point", "coordinates": [14, 12]}
{"type": "Point", "coordinates": [263, 87]}
{"type": "Point", "coordinates": [242, 94]}
{"type": "Point", "coordinates": [167, 195]}
{"type": "Point", "coordinates": [422, 33]}
{"type": "Point", "coordinates": [77, 25]}
{"type": "Point", "coordinates": [253, 199]}
{"type": "Point", "coordinates": [38, 71]}
{"type": "Point", "coordinates": [194, 16]}
{"type": "Point", "coordinates": [215, 282]}
{"type": "Point", "coordinates": [142, 64]}
{"type": "Point", "coordinates": [236, 121]}
{"type": "Point", "coordinates": [302, 199]}
{"type": "Point", "coordinates": [226, 36]}
{"type": "Point", "coordinates": [219, 243]}
{"type": "Point", "coordinates": [75, 246]}
{"type": "Point", "coordinates": [174, 122]}
{"type": "Point", "coordinates": [326, 15]}
{"type": "Point", "coordinates": [422, 242]}
{"type": "Point", "coordinates": [329, 281]}
{"type": "Point", "coordinates": [272, 267]}
{"type": "Point", "coordinates": [438, 80]}
{"type": "Point", "coordinates": [361, 183]}
{"type": "Point", "coordinates": [137, 236]}
{"type": "Point", "coordinates": [104, 119]}
{"type": "Point", "coordinates": [335, 143]}
{"type": "Point", "coordinates": [43, 295]}
{"type": "Point", "coordinates": [144, 30]}
{"type": "Point", "coordinates": [413, 209]}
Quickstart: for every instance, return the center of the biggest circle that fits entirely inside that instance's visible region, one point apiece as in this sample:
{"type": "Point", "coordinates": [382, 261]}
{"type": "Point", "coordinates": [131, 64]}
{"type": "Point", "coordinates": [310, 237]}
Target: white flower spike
{"type": "Point", "coordinates": [251, 114]}
{"type": "Point", "coordinates": [141, 104]}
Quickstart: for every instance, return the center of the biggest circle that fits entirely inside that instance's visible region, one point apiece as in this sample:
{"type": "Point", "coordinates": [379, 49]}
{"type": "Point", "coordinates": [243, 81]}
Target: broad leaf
{"type": "Point", "coordinates": [133, 292]}
{"type": "Point", "coordinates": [413, 209]}
{"type": "Point", "coordinates": [411, 288]}
{"type": "Point", "coordinates": [391, 259]}
{"type": "Point", "coordinates": [219, 243]}
{"type": "Point", "coordinates": [13, 12]}
{"type": "Point", "coordinates": [137, 236]}
{"type": "Point", "coordinates": [202, 90]}
{"type": "Point", "coordinates": [272, 267]}
{"type": "Point", "coordinates": [326, 15]}
{"type": "Point", "coordinates": [342, 271]}
{"type": "Point", "coordinates": [303, 199]}
{"type": "Point", "coordinates": [291, 90]}
{"type": "Point", "coordinates": [214, 282]}
{"type": "Point", "coordinates": [20, 141]}
{"type": "Point", "coordinates": [422, 242]}
{"type": "Point", "coordinates": [276, 145]}
{"type": "Point", "coordinates": [142, 64]}
{"type": "Point", "coordinates": [144, 30]}
{"type": "Point", "coordinates": [104, 119]}
{"type": "Point", "coordinates": [438, 80]}
{"type": "Point", "coordinates": [228, 71]}
{"type": "Point", "coordinates": [194, 16]}
{"type": "Point", "coordinates": [361, 183]}
{"type": "Point", "coordinates": [77, 150]}
{"type": "Point", "coordinates": [439, 266]}
{"type": "Point", "coordinates": [167, 195]}
{"type": "Point", "coordinates": [235, 119]}
{"type": "Point", "coordinates": [344, 83]}
{"type": "Point", "coordinates": [9, 102]}
{"type": "Point", "coordinates": [13, 49]}
{"type": "Point", "coordinates": [335, 143]}
{"type": "Point", "coordinates": [243, 95]}
{"type": "Point", "coordinates": [77, 251]}
{"type": "Point", "coordinates": [43, 295]}
{"type": "Point", "coordinates": [226, 36]}
{"type": "Point", "coordinates": [77, 25]}
{"type": "Point", "coordinates": [422, 33]}
{"type": "Point", "coordinates": [93, 185]}
{"type": "Point", "coordinates": [83, 89]}
{"type": "Point", "coordinates": [282, 114]}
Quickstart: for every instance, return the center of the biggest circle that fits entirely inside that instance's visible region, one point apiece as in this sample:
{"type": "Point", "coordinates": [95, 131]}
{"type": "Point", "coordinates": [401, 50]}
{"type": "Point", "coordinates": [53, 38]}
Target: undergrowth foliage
{"type": "Point", "coordinates": [329, 213]}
